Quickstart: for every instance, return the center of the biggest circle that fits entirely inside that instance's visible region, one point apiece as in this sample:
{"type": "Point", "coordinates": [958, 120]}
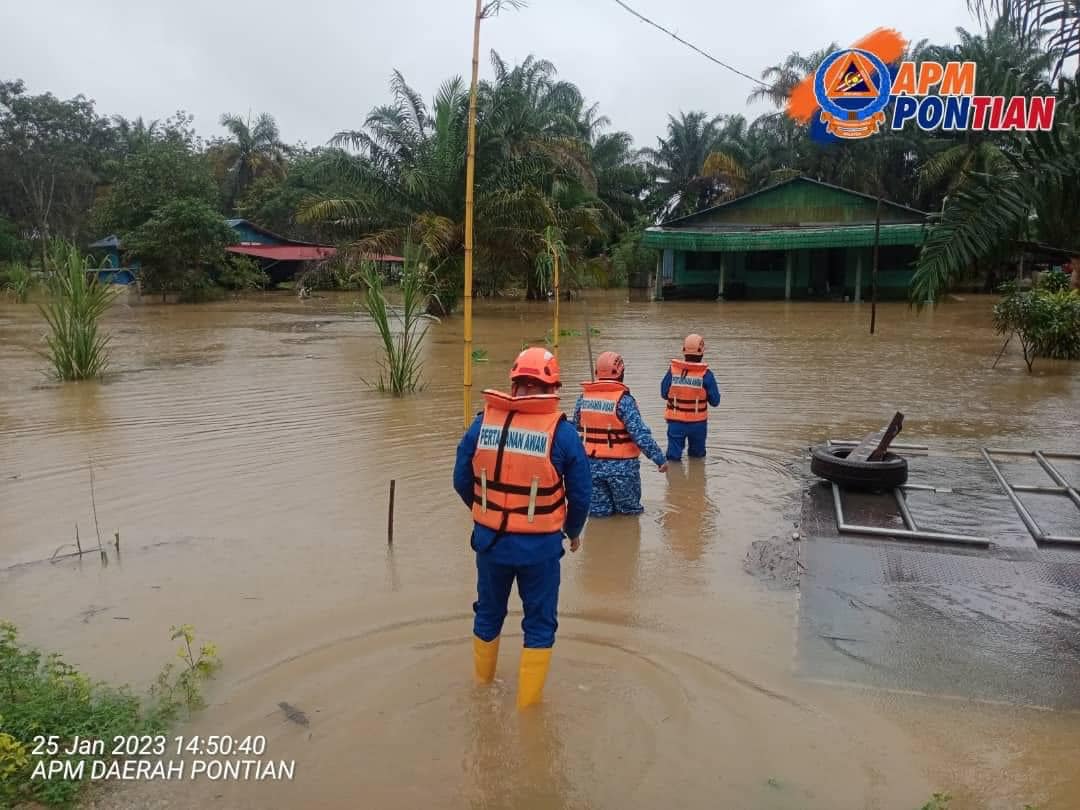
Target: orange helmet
{"type": "Point", "coordinates": [609, 366]}
{"type": "Point", "coordinates": [694, 344]}
{"type": "Point", "coordinates": [537, 363]}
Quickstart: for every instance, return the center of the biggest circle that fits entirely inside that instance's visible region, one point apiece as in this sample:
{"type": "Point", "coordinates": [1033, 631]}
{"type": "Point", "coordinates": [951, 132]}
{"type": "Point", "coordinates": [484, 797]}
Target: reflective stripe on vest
{"type": "Point", "coordinates": [601, 429]}
{"type": "Point", "coordinates": [687, 400]}
{"type": "Point", "coordinates": [516, 488]}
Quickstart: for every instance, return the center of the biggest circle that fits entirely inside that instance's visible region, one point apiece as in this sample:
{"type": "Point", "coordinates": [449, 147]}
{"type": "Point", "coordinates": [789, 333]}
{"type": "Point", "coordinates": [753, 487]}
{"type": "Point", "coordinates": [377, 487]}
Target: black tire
{"type": "Point", "coordinates": [831, 464]}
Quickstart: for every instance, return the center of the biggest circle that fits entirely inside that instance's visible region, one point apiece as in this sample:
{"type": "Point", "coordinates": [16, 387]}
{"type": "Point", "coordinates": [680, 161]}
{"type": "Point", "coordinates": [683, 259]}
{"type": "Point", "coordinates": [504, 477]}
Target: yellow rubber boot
{"type": "Point", "coordinates": [485, 656]}
{"type": "Point", "coordinates": [532, 674]}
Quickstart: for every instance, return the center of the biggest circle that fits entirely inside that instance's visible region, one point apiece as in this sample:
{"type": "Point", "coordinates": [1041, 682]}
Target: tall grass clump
{"type": "Point", "coordinates": [77, 349]}
{"type": "Point", "coordinates": [402, 329]}
{"type": "Point", "coordinates": [18, 281]}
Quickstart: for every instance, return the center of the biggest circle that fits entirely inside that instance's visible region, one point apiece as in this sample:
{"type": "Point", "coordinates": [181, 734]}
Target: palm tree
{"type": "Point", "coordinates": [252, 151]}
{"type": "Point", "coordinates": [621, 177]}
{"type": "Point", "coordinates": [1008, 66]}
{"type": "Point", "coordinates": [1036, 195]}
{"type": "Point", "coordinates": [782, 78]}
{"type": "Point", "coordinates": [677, 163]}
{"type": "Point", "coordinates": [730, 162]}
{"type": "Point", "coordinates": [136, 133]}
{"type": "Point", "coordinates": [406, 169]}
{"type": "Point", "coordinates": [1032, 20]}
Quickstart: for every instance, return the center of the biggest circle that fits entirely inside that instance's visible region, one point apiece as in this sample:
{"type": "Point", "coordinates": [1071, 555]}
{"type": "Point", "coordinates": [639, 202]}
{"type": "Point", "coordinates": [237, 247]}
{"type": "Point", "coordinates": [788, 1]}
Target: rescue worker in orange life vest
{"type": "Point", "coordinates": [689, 389]}
{"type": "Point", "coordinates": [614, 434]}
{"type": "Point", "coordinates": [522, 471]}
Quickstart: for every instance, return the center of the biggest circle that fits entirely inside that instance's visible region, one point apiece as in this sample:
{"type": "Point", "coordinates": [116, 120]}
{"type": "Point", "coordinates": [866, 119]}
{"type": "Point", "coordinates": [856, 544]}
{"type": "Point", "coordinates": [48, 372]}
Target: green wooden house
{"type": "Point", "coordinates": [797, 239]}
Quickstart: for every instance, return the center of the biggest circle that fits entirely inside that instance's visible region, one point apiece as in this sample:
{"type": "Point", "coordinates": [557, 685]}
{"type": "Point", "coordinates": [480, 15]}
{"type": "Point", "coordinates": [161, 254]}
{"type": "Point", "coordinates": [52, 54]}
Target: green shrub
{"type": "Point", "coordinates": [241, 273]}
{"type": "Point", "coordinates": [633, 262]}
{"type": "Point", "coordinates": [1055, 281]}
{"type": "Point", "coordinates": [42, 695]}
{"type": "Point", "coordinates": [939, 801]}
{"type": "Point", "coordinates": [1047, 322]}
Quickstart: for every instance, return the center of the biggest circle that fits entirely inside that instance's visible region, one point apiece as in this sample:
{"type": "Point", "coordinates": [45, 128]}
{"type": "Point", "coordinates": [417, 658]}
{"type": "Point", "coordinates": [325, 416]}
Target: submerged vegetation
{"type": "Point", "coordinates": [18, 281]}
{"type": "Point", "coordinates": [41, 694]}
{"type": "Point", "coordinates": [401, 329]}
{"type": "Point", "coordinates": [77, 349]}
{"type": "Point", "coordinates": [1046, 319]}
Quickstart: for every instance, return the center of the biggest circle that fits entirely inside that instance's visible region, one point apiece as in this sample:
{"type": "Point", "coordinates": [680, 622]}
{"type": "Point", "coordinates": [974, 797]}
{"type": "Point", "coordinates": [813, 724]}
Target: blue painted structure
{"type": "Point", "coordinates": [116, 275]}
{"type": "Point", "coordinates": [113, 270]}
{"type": "Point", "coordinates": [247, 233]}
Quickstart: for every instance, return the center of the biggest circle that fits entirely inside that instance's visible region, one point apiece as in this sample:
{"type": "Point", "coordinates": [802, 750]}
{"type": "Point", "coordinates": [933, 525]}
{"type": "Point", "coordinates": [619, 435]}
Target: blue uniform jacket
{"type": "Point", "coordinates": [627, 411]}
{"type": "Point", "coordinates": [569, 459]}
{"type": "Point", "coordinates": [712, 390]}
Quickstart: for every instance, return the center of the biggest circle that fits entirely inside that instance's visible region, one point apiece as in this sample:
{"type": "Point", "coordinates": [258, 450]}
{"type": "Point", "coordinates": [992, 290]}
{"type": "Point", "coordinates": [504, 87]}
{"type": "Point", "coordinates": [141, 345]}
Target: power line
{"type": "Point", "coordinates": [690, 45]}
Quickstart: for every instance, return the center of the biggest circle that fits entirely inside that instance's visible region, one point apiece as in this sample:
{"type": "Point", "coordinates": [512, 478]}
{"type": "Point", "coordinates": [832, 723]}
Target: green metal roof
{"type": "Point", "coordinates": [798, 198]}
{"type": "Point", "coordinates": [782, 238]}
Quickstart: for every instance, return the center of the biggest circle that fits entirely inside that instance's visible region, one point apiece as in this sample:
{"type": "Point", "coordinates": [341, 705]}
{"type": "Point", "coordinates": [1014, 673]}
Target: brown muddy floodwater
{"type": "Point", "coordinates": [246, 467]}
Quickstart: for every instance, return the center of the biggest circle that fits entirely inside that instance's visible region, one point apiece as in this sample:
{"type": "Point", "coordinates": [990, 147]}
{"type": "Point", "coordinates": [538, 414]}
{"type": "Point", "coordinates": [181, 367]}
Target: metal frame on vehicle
{"type": "Point", "coordinates": [1062, 487]}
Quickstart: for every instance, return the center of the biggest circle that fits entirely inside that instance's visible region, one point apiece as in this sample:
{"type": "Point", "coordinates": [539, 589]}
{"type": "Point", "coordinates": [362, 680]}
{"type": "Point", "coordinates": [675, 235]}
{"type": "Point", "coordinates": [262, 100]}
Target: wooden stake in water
{"type": "Point", "coordinates": [93, 504]}
{"type": "Point", "coordinates": [1003, 348]}
{"type": "Point", "coordinates": [390, 516]}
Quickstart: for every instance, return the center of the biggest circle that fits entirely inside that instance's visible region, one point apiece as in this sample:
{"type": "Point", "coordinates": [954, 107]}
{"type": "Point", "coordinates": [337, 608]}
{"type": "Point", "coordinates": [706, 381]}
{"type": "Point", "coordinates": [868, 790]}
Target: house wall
{"type": "Point", "coordinates": [894, 277]}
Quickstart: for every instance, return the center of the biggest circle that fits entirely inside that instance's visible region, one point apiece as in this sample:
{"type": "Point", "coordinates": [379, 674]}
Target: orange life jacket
{"type": "Point", "coordinates": [600, 427]}
{"type": "Point", "coordinates": [516, 488]}
{"type": "Point", "coordinates": [687, 400]}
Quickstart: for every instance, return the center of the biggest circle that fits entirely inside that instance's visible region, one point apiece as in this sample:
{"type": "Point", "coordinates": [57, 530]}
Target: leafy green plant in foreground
{"type": "Point", "coordinates": [42, 695]}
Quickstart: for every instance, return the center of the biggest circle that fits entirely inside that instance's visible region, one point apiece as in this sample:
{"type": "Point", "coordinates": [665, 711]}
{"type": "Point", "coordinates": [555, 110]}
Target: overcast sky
{"type": "Point", "coordinates": [319, 65]}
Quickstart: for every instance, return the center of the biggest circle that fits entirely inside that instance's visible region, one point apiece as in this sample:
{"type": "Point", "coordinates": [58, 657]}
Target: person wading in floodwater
{"type": "Point", "coordinates": [614, 434]}
{"type": "Point", "coordinates": [523, 471]}
{"type": "Point", "coordinates": [689, 388]}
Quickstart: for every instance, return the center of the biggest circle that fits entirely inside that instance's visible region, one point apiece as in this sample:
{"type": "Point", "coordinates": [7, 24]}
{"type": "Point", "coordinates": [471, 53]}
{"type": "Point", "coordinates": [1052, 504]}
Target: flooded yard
{"type": "Point", "coordinates": [246, 466]}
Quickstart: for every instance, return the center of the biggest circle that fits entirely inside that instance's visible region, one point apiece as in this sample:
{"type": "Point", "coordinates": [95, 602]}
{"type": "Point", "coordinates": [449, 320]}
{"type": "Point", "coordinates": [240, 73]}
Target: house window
{"type": "Point", "coordinates": [703, 262]}
{"type": "Point", "coordinates": [764, 261]}
{"type": "Point", "coordinates": [895, 257]}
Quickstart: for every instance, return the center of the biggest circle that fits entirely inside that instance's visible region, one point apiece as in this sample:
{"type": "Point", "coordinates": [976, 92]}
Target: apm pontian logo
{"type": "Point", "coordinates": [849, 95]}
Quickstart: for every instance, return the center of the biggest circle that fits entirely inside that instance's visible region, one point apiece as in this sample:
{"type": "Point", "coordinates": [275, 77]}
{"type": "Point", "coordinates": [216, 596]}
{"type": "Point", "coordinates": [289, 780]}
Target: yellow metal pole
{"type": "Point", "coordinates": [555, 273]}
{"type": "Point", "coordinates": [470, 175]}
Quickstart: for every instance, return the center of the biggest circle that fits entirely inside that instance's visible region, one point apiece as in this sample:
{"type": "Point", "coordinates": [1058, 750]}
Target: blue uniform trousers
{"type": "Point", "coordinates": [681, 433]}
{"type": "Point", "coordinates": [538, 587]}
{"type": "Point", "coordinates": [616, 487]}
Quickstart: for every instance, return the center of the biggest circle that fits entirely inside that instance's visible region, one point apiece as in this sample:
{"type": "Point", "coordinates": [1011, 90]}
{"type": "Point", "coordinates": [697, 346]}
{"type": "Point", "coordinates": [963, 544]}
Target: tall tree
{"type": "Point", "coordinates": [1058, 21]}
{"type": "Point", "coordinates": [1007, 65]}
{"type": "Point", "coordinates": [678, 161]}
{"type": "Point", "coordinates": [1035, 196]}
{"type": "Point", "coordinates": [162, 170]}
{"type": "Point", "coordinates": [51, 155]}
{"type": "Point", "coordinates": [250, 152]}
{"type": "Point", "coordinates": [406, 167]}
